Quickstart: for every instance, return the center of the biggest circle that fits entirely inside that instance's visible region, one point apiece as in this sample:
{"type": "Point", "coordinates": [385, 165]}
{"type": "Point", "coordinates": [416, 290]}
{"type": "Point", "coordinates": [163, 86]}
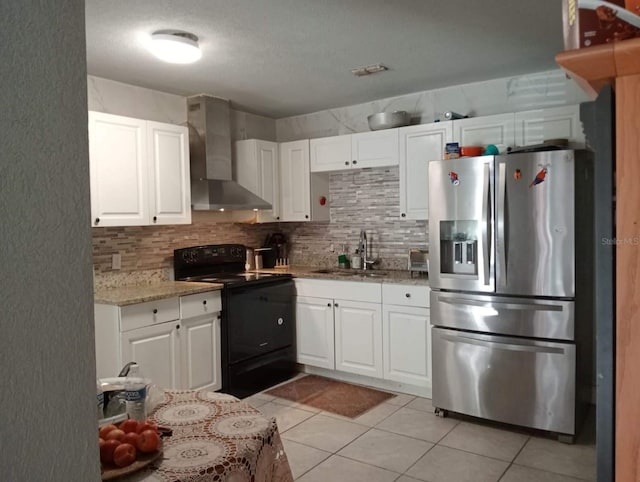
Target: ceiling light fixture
{"type": "Point", "coordinates": [369, 69]}
{"type": "Point", "coordinates": [175, 47]}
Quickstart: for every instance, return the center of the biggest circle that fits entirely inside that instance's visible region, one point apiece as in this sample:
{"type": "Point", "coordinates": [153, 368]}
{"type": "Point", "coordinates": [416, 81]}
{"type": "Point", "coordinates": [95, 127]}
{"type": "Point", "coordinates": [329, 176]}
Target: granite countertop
{"type": "Point", "coordinates": [369, 276]}
{"type": "Point", "coordinates": [131, 294]}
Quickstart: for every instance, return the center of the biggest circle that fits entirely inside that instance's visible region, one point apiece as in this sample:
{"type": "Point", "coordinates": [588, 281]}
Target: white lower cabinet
{"type": "Point", "coordinates": [315, 332]}
{"type": "Point", "coordinates": [157, 350]}
{"type": "Point", "coordinates": [175, 340]}
{"type": "Point", "coordinates": [406, 332]}
{"type": "Point", "coordinates": [200, 350]}
{"type": "Point", "coordinates": [358, 337]}
{"type": "Point", "coordinates": [380, 330]}
{"type": "Point", "coordinates": [339, 325]}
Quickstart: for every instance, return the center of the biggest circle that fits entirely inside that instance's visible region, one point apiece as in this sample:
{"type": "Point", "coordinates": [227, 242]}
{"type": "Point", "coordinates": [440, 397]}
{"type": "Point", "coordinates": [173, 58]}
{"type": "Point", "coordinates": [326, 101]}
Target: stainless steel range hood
{"type": "Point", "coordinates": [212, 184]}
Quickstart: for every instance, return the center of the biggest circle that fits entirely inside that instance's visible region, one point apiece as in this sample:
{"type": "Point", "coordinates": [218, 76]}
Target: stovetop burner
{"type": "Point", "coordinates": [218, 263]}
{"type": "Point", "coordinates": [233, 278]}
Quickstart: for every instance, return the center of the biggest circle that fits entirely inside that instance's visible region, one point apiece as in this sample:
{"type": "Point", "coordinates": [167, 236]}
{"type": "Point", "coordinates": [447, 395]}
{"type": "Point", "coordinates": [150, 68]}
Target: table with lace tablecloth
{"type": "Point", "coordinates": [216, 437]}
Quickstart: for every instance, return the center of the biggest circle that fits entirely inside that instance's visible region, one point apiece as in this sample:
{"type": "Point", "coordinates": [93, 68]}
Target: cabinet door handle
{"type": "Point", "coordinates": [336, 305]}
{"type": "Point", "coordinates": [408, 295]}
{"type": "Point", "coordinates": [329, 304]}
{"type": "Point", "coordinates": [204, 302]}
{"type": "Point", "coordinates": [346, 163]}
{"type": "Point", "coordinates": [177, 327]}
{"type": "Point", "coordinates": [306, 216]}
{"type": "Point", "coordinates": [403, 215]}
{"type": "Point", "coordinates": [355, 162]}
{"type": "Point", "coordinates": [97, 221]}
{"type": "Point", "coordinates": [278, 217]}
{"type": "Point", "coordinates": [155, 218]}
{"type": "Point", "coordinates": [155, 311]}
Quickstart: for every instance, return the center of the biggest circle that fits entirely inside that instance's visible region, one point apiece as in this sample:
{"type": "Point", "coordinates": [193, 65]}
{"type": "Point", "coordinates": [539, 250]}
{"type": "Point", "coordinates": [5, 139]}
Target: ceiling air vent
{"type": "Point", "coordinates": [368, 70]}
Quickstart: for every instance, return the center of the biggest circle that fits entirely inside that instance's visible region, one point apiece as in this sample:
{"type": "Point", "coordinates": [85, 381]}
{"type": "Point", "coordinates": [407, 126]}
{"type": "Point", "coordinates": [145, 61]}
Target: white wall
{"type": "Point", "coordinates": [497, 96]}
{"type": "Point", "coordinates": [47, 389]}
{"type": "Point", "coordinates": [129, 100]}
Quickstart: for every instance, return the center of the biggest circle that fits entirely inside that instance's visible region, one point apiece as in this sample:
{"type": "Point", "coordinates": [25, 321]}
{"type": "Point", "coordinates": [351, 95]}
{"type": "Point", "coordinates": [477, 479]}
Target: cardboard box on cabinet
{"type": "Point", "coordinates": [594, 22]}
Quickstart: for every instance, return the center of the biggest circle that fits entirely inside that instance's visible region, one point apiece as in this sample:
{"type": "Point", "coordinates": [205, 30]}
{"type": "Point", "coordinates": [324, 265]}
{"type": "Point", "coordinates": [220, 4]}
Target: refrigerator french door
{"type": "Point", "coordinates": [461, 236]}
{"type": "Point", "coordinates": [502, 273]}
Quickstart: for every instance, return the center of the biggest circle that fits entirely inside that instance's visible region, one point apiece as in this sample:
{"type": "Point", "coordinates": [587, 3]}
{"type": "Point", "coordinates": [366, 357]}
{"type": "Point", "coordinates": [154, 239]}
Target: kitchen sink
{"type": "Point", "coordinates": [352, 273]}
{"type": "Point", "coordinates": [338, 272]}
{"type": "Point", "coordinates": [375, 274]}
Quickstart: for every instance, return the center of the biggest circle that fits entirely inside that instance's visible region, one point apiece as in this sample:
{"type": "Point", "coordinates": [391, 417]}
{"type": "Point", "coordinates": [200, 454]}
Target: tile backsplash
{"type": "Point", "coordinates": [360, 199]}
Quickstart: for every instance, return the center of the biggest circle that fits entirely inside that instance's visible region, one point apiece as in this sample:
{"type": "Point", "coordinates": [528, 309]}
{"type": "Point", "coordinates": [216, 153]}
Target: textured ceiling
{"type": "Point", "coordinates": [280, 58]}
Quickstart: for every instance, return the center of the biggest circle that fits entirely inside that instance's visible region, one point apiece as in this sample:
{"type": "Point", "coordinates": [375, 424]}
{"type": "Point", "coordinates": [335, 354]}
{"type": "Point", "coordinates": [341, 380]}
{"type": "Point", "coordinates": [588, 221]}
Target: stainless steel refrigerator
{"type": "Point", "coordinates": [511, 271]}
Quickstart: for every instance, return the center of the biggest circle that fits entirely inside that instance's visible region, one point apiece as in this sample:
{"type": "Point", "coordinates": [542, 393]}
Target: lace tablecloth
{"type": "Point", "coordinates": [216, 437]}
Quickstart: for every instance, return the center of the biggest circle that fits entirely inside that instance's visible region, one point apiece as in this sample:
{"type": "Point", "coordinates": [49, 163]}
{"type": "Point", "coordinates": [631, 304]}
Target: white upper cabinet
{"type": "Point", "coordinates": [537, 126]}
{"type": "Point", "coordinates": [118, 166]}
{"type": "Point", "coordinates": [418, 145]}
{"type": "Point", "coordinates": [295, 181]}
{"type": "Point", "coordinates": [353, 151]}
{"type": "Point", "coordinates": [303, 197]}
{"type": "Point", "coordinates": [169, 183]}
{"type": "Point", "coordinates": [498, 130]}
{"type": "Point", "coordinates": [330, 153]}
{"type": "Point", "coordinates": [257, 169]}
{"type": "Point", "coordinates": [375, 149]}
{"type": "Point", "coordinates": [139, 172]}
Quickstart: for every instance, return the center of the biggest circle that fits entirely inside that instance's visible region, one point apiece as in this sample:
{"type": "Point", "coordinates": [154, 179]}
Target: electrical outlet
{"type": "Point", "coordinates": [116, 261]}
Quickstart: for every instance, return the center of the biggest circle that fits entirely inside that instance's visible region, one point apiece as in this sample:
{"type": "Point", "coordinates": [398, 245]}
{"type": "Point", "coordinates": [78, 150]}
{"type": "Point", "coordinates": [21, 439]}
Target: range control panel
{"type": "Point", "coordinates": [210, 258]}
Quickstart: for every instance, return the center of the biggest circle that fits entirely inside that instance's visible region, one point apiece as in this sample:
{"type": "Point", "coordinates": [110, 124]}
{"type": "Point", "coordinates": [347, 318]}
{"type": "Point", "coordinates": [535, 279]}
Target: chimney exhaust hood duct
{"type": "Point", "coordinates": [212, 184]}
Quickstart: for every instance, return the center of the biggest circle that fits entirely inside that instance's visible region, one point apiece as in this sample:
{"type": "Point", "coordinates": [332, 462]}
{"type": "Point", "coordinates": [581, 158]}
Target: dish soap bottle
{"type": "Point", "coordinates": [356, 260]}
{"type": "Point", "coordinates": [135, 389]}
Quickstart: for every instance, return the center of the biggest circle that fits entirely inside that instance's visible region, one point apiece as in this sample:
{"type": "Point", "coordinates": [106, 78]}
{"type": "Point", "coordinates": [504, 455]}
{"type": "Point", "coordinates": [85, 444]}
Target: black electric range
{"type": "Point", "coordinates": [258, 316]}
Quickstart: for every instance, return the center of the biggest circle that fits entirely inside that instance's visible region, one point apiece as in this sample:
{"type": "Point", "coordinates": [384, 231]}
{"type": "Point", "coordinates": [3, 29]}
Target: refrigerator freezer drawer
{"type": "Point", "coordinates": [510, 380]}
{"type": "Point", "coordinates": [552, 319]}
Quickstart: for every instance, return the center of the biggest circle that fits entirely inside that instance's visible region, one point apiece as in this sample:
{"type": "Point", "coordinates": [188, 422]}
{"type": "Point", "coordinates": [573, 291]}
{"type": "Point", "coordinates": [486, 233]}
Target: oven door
{"type": "Point", "coordinates": [260, 319]}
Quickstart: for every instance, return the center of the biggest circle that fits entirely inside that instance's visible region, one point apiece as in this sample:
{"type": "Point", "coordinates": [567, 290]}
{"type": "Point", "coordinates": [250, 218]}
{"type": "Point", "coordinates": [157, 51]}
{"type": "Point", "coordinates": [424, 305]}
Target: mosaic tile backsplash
{"type": "Point", "coordinates": [365, 199]}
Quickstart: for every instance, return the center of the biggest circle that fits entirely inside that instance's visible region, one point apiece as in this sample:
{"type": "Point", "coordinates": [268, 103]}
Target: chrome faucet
{"type": "Point", "coordinates": [364, 250]}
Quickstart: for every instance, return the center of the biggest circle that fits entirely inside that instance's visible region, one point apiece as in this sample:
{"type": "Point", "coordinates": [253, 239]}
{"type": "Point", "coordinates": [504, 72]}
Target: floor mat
{"type": "Point", "coordinates": [331, 395]}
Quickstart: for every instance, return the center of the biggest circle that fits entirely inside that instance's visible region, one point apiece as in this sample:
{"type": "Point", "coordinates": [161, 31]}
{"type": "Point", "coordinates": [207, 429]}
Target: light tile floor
{"type": "Point", "coordinates": [402, 440]}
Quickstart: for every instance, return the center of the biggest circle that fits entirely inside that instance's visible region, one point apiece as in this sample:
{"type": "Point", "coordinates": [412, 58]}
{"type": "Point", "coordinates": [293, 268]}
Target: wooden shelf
{"type": "Point", "coordinates": [618, 64]}
{"type": "Point", "coordinates": [594, 67]}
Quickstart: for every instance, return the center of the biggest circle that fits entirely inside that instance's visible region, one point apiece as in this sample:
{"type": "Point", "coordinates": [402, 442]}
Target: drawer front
{"type": "Point", "coordinates": [200, 304]}
{"type": "Point", "coordinates": [149, 313]}
{"type": "Point", "coordinates": [535, 379]}
{"type": "Point", "coordinates": [345, 290]}
{"type": "Point", "coordinates": [405, 295]}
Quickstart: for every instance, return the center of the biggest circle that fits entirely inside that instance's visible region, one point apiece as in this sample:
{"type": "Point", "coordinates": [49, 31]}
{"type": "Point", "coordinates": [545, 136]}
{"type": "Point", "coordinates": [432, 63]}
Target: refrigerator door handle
{"type": "Point", "coordinates": [501, 346]}
{"type": "Point", "coordinates": [501, 305]}
{"type": "Point", "coordinates": [486, 228]}
{"type": "Point", "coordinates": [501, 274]}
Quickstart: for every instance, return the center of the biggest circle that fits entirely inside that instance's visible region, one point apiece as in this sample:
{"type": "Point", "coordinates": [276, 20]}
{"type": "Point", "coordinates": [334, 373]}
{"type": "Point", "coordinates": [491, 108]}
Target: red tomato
{"type": "Point", "coordinates": [116, 434]}
{"type": "Point", "coordinates": [124, 455]}
{"type": "Point", "coordinates": [107, 449]}
{"type": "Point", "coordinates": [129, 425]}
{"type": "Point", "coordinates": [105, 429]}
{"type": "Point", "coordinates": [148, 441]}
{"type": "Point", "coordinates": [131, 438]}
{"type": "Point", "coordinates": [147, 425]}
